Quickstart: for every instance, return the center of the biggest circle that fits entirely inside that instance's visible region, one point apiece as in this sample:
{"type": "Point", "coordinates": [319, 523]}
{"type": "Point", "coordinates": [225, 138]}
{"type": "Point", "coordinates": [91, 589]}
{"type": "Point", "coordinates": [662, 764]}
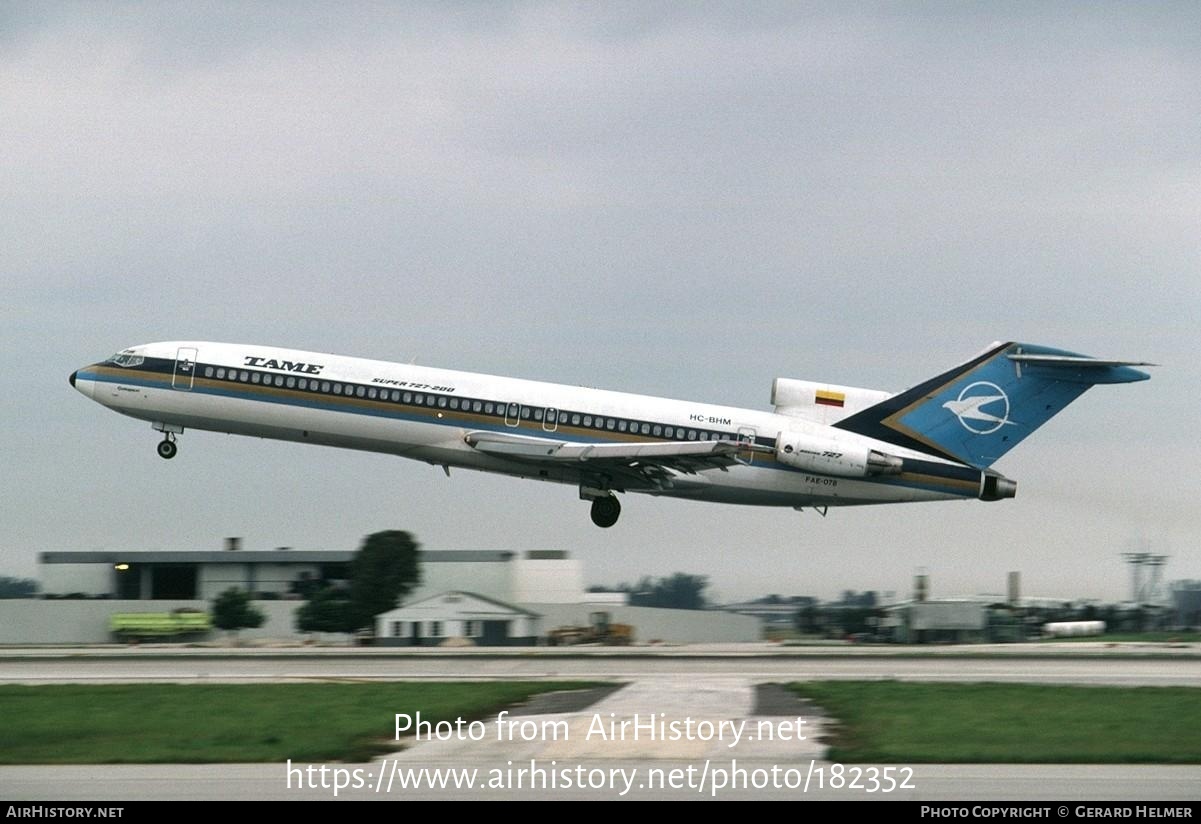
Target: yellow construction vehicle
{"type": "Point", "coordinates": [600, 631]}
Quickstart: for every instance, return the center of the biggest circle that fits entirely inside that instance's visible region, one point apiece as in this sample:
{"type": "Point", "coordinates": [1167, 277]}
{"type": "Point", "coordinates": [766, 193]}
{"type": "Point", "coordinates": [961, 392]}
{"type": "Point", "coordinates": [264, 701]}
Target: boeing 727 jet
{"type": "Point", "coordinates": [822, 445]}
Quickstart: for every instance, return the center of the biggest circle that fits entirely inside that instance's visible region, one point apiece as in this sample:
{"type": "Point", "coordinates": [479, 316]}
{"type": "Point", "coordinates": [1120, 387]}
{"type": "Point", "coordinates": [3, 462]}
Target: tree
{"type": "Point", "coordinates": [679, 591]}
{"type": "Point", "coordinates": [17, 587]}
{"type": "Point", "coordinates": [384, 570]}
{"type": "Point", "coordinates": [806, 617]}
{"type": "Point", "coordinates": [233, 611]}
{"type": "Point", "coordinates": [682, 591]}
{"type": "Point", "coordinates": [326, 610]}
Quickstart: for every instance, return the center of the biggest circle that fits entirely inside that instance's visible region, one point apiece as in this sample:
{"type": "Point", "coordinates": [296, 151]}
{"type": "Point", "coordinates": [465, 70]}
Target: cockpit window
{"type": "Point", "coordinates": [126, 358]}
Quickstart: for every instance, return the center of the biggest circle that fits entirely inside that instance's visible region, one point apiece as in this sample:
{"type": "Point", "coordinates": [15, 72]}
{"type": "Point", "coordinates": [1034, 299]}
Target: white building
{"type": "Point", "coordinates": [467, 615]}
{"type": "Point", "coordinates": [544, 589]}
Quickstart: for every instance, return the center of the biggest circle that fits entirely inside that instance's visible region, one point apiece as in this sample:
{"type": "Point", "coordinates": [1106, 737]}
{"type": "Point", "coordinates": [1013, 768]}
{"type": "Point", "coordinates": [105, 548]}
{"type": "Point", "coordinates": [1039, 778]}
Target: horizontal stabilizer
{"type": "Point", "coordinates": [1091, 370]}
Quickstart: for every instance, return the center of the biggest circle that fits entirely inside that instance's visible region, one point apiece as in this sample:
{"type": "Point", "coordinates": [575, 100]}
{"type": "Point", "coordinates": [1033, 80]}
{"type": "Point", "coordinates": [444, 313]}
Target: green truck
{"type": "Point", "coordinates": [130, 626]}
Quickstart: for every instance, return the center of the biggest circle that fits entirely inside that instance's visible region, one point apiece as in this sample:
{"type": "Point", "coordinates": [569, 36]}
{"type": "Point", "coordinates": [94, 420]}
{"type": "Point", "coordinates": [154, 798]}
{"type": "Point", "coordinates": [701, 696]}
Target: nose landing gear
{"type": "Point", "coordinates": [167, 448]}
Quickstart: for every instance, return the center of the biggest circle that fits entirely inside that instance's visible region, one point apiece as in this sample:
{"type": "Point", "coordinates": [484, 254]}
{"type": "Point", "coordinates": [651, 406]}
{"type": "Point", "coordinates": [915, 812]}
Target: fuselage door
{"type": "Point", "coordinates": [551, 421]}
{"type": "Point", "coordinates": [746, 435]}
{"type": "Point", "coordinates": [185, 369]}
{"type": "Point", "coordinates": [512, 414]}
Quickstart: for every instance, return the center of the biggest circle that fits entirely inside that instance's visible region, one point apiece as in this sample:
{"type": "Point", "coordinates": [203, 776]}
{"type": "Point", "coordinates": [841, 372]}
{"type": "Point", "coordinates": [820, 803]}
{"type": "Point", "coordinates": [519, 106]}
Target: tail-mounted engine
{"type": "Point", "coordinates": [828, 457]}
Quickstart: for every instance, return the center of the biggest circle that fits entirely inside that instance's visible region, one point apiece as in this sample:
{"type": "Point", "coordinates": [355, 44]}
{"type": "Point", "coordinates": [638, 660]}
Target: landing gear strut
{"type": "Point", "coordinates": [167, 447]}
{"type": "Point", "coordinates": [605, 511]}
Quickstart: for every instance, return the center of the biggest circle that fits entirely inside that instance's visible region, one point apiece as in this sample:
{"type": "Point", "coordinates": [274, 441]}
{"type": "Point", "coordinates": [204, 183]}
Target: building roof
{"type": "Point", "coordinates": [441, 596]}
{"type": "Point", "coordinates": [257, 556]}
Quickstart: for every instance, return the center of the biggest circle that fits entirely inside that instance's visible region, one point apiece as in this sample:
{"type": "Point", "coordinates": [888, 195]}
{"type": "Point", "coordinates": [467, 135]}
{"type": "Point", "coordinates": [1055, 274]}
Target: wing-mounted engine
{"type": "Point", "coordinates": [826, 456]}
{"type": "Point", "coordinates": [822, 403]}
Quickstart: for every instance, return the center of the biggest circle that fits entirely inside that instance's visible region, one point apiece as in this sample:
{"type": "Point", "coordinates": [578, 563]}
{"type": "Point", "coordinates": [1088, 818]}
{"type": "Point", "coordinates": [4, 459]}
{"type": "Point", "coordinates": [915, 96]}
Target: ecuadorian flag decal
{"type": "Point", "coordinates": [826, 398]}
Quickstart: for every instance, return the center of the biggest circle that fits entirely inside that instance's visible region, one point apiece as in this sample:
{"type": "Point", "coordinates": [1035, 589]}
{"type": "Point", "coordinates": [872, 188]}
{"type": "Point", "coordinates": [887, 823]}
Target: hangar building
{"type": "Point", "coordinates": [543, 589]}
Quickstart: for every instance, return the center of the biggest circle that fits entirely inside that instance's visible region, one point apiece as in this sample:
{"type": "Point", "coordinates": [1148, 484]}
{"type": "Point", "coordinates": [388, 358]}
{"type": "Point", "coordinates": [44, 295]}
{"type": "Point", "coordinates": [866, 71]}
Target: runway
{"type": "Point", "coordinates": [716, 735]}
{"type": "Point", "coordinates": [249, 666]}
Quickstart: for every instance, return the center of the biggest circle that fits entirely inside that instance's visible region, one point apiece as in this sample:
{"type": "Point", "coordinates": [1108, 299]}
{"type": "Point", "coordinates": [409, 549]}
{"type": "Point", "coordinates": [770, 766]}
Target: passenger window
{"type": "Point", "coordinates": [208, 371]}
{"type": "Point", "coordinates": [477, 406]}
{"type": "Point", "coordinates": [657, 430]}
{"type": "Point", "coordinates": [621, 426]}
{"type": "Point", "coordinates": [291, 382]}
{"type": "Point", "coordinates": [303, 383]}
{"type": "Point", "coordinates": [454, 403]}
{"type": "Point", "coordinates": [441, 402]}
{"type": "Point", "coordinates": [370, 393]}
{"type": "Point", "coordinates": [575, 419]}
{"type": "Point", "coordinates": [419, 399]}
{"type": "Point", "coordinates": [429, 400]}
{"type": "Point", "coordinates": [255, 377]}
{"type": "Point", "coordinates": [488, 408]}
{"type": "Point", "coordinates": [610, 424]}
{"type": "Point", "coordinates": [646, 429]}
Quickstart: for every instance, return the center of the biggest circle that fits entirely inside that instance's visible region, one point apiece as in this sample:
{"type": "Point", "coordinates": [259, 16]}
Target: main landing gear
{"type": "Point", "coordinates": [166, 447]}
{"type": "Point", "coordinates": [605, 510]}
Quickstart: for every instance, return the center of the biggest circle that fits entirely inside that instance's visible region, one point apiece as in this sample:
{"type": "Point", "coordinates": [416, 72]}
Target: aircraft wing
{"type": "Point", "coordinates": [644, 464]}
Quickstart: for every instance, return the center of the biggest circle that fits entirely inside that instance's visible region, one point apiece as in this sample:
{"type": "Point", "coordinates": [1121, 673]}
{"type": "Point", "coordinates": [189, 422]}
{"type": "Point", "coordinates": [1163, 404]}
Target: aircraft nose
{"type": "Point", "coordinates": [81, 383]}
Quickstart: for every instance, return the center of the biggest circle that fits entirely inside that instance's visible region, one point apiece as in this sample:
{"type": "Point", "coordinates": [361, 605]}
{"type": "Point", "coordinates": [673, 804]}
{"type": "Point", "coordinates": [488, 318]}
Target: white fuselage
{"type": "Point", "coordinates": [426, 414]}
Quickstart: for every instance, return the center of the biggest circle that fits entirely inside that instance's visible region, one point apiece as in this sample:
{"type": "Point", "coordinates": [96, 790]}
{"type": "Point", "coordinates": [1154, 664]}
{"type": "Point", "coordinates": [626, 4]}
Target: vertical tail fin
{"type": "Point", "coordinates": [981, 409]}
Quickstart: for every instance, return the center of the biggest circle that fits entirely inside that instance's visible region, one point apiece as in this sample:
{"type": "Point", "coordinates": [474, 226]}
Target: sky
{"type": "Point", "coordinates": [683, 201]}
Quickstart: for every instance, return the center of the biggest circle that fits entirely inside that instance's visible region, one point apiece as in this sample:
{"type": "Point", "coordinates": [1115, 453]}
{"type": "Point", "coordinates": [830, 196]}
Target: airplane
{"type": "Point", "coordinates": [822, 445]}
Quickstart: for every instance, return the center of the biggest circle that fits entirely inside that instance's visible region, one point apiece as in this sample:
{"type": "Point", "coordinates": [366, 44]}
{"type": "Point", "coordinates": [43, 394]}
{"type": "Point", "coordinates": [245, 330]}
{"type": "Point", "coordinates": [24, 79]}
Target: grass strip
{"type": "Point", "coordinates": [901, 722]}
{"type": "Point", "coordinates": [233, 723]}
